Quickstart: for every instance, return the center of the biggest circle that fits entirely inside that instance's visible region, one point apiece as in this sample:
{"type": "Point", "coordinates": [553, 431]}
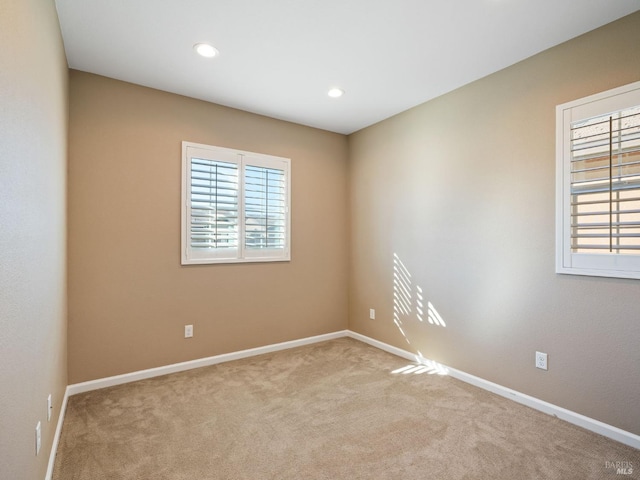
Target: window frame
{"type": "Point", "coordinates": [615, 265]}
{"type": "Point", "coordinates": [242, 159]}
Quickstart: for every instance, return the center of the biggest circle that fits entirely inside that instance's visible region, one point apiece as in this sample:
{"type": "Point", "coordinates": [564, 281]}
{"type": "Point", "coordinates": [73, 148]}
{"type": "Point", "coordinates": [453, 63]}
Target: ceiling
{"type": "Point", "coordinates": [280, 57]}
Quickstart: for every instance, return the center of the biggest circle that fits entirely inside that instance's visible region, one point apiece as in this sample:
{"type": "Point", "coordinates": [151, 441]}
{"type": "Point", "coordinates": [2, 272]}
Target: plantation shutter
{"type": "Point", "coordinates": [598, 184]}
{"type": "Point", "coordinates": [212, 204]}
{"type": "Point", "coordinates": [605, 183]}
{"type": "Point", "coordinates": [265, 207]}
{"type": "Point", "coordinates": [235, 206]}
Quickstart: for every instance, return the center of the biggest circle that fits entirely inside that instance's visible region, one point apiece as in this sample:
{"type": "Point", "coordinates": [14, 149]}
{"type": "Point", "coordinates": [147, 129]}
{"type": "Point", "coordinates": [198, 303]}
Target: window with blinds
{"type": "Point", "coordinates": [605, 183]}
{"type": "Point", "coordinates": [214, 205]}
{"type": "Point", "coordinates": [265, 209]}
{"type": "Point", "coordinates": [599, 184]}
{"type": "Point", "coordinates": [235, 206]}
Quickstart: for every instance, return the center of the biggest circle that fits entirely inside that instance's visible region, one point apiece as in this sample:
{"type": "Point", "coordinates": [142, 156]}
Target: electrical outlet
{"type": "Point", "coordinates": [372, 313]}
{"type": "Point", "coordinates": [49, 408]}
{"type": "Point", "coordinates": [38, 437]}
{"type": "Point", "coordinates": [188, 331]}
{"type": "Point", "coordinates": [541, 360]}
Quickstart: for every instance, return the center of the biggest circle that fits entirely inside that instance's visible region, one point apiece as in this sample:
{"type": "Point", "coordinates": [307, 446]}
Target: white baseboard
{"type": "Point", "coordinates": [587, 423]}
{"type": "Point", "coordinates": [596, 426]}
{"type": "Point", "coordinates": [201, 362]}
{"type": "Point", "coordinates": [383, 346]}
{"type": "Point", "coordinates": [56, 436]}
{"type": "Point", "coordinates": [176, 367]}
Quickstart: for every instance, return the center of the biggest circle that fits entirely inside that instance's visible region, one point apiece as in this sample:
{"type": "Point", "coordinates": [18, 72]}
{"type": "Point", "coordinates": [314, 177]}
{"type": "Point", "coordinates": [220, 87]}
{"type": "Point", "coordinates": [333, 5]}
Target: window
{"type": "Point", "coordinates": [235, 206]}
{"type": "Point", "coordinates": [598, 184]}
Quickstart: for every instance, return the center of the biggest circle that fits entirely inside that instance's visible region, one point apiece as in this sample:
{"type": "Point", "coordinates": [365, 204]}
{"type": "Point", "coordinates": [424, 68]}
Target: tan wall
{"type": "Point", "coordinates": [33, 137]}
{"type": "Point", "coordinates": [129, 297]}
{"type": "Point", "coordinates": [462, 190]}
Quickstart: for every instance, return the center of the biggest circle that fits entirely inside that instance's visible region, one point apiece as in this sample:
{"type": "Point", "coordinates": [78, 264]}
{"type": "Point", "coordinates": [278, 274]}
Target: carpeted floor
{"type": "Point", "coordinates": [332, 410]}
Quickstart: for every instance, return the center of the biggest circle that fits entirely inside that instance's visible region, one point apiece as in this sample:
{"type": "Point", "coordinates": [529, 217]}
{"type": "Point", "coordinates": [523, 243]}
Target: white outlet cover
{"type": "Point", "coordinates": [372, 314]}
{"type": "Point", "coordinates": [49, 408]}
{"type": "Point", "coordinates": [541, 360]}
{"type": "Point", "coordinates": [188, 331]}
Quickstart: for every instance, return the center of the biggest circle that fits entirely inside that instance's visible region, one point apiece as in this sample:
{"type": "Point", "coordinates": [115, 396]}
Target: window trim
{"type": "Point", "coordinates": [241, 158]}
{"type": "Point", "coordinates": [591, 264]}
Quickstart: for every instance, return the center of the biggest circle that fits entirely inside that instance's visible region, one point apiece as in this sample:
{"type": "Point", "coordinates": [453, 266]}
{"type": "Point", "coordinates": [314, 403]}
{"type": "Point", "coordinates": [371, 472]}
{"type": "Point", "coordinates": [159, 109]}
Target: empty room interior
{"type": "Point", "coordinates": [324, 240]}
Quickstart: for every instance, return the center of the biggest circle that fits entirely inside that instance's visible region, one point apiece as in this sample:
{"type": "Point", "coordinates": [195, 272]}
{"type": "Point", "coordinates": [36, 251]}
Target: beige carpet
{"type": "Point", "coordinates": [331, 411]}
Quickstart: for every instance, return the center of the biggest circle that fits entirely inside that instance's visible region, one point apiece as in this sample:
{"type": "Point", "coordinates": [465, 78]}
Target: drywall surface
{"type": "Point", "coordinates": [453, 235]}
{"type": "Point", "coordinates": [129, 296]}
{"type": "Point", "coordinates": [33, 141]}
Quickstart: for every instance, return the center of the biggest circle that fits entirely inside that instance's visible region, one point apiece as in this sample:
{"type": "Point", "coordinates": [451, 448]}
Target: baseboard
{"type": "Point", "coordinates": [383, 346]}
{"type": "Point", "coordinates": [56, 436]}
{"type": "Point", "coordinates": [201, 362]}
{"type": "Point", "coordinates": [583, 421]}
{"type": "Point", "coordinates": [578, 419]}
{"type": "Point", "coordinates": [587, 423]}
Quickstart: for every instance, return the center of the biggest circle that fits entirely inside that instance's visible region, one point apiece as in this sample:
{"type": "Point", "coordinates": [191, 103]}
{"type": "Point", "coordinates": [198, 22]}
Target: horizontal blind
{"type": "Point", "coordinates": [265, 208]}
{"type": "Point", "coordinates": [214, 205]}
{"type": "Point", "coordinates": [605, 183]}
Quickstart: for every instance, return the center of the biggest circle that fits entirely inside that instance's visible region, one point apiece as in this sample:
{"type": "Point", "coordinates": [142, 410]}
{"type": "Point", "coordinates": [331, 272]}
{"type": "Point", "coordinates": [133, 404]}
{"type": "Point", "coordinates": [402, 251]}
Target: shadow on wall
{"type": "Point", "coordinates": [405, 309]}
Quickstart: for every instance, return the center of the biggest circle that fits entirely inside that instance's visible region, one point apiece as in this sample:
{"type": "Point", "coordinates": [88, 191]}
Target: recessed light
{"type": "Point", "coordinates": [335, 92]}
{"type": "Point", "coordinates": [205, 50]}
